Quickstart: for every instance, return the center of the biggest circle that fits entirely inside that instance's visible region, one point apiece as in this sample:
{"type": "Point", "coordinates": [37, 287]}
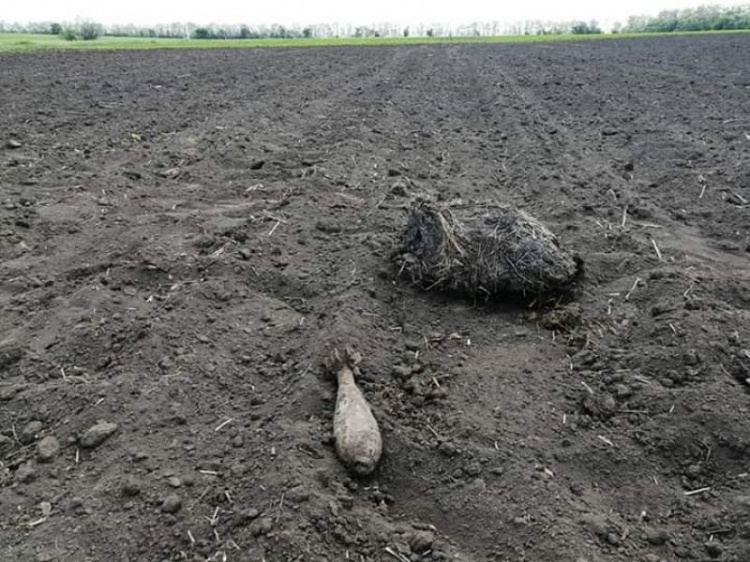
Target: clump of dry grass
{"type": "Point", "coordinates": [483, 250]}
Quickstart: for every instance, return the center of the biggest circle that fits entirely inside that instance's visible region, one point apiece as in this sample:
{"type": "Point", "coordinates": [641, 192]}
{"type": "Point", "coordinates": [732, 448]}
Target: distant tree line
{"type": "Point", "coordinates": [85, 30]}
{"type": "Point", "coordinates": [90, 30]}
{"type": "Point", "coordinates": [703, 18]}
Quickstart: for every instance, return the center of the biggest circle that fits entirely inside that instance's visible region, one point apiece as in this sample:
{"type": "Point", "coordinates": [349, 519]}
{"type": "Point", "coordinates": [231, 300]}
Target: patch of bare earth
{"type": "Point", "coordinates": [185, 234]}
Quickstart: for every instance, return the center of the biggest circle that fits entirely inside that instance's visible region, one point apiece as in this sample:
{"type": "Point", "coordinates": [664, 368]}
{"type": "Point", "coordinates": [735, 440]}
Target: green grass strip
{"type": "Point", "coordinates": [29, 42]}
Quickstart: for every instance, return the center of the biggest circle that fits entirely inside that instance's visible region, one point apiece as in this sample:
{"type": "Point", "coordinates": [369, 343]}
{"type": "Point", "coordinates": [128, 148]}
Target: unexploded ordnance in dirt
{"type": "Point", "coordinates": [355, 430]}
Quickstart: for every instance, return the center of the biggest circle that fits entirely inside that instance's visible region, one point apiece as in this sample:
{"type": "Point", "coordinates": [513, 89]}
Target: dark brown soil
{"type": "Point", "coordinates": [185, 234]}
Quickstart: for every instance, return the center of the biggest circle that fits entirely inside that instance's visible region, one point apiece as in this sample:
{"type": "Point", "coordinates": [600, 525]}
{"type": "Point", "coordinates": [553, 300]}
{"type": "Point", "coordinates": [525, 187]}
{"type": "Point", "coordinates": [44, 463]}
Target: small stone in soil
{"type": "Point", "coordinates": [421, 541]}
{"type": "Point", "coordinates": [166, 364]}
{"type": "Point", "coordinates": [298, 494]}
{"type": "Point", "coordinates": [623, 391]}
{"type": "Point", "coordinates": [477, 486]}
{"type": "Point", "coordinates": [412, 345]}
{"type": "Point", "coordinates": [400, 189]}
{"type": "Point", "coordinates": [447, 449]}
{"type": "Point", "coordinates": [47, 449]}
{"type": "Point", "coordinates": [171, 504]}
{"type": "Point", "coordinates": [12, 144]}
{"type": "Point", "coordinates": [140, 456]}
{"type": "Point", "coordinates": [583, 358]}
{"type": "Point", "coordinates": [657, 536]}
{"type": "Point", "coordinates": [599, 405]}
{"type": "Point", "coordinates": [98, 434]}
{"type": "Point", "coordinates": [25, 473]}
{"type": "Point", "coordinates": [29, 432]}
{"type": "Point", "coordinates": [473, 469]}
{"type": "Point", "coordinates": [401, 372]}
{"type": "Point", "coordinates": [131, 487]}
{"type": "Point", "coordinates": [596, 524]}
{"type": "Point", "coordinates": [412, 386]}
{"type": "Point", "coordinates": [714, 549]}
{"type": "Point", "coordinates": [328, 227]}
{"type": "Point", "coordinates": [613, 539]}
{"type": "Point", "coordinates": [261, 527]}
{"type": "Point", "coordinates": [174, 482]}
{"type": "Point", "coordinates": [250, 514]}
{"type": "Point", "coordinates": [170, 173]}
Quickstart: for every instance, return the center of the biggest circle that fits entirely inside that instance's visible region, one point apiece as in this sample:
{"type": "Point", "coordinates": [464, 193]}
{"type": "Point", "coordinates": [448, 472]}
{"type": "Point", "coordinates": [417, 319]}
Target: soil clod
{"type": "Point", "coordinates": [30, 431]}
{"type": "Point", "coordinates": [25, 473]}
{"type": "Point", "coordinates": [98, 434]}
{"type": "Point", "coordinates": [47, 449]}
{"type": "Point", "coordinates": [657, 536]}
{"type": "Point", "coordinates": [261, 526]}
{"type": "Point", "coordinates": [171, 504]}
{"type": "Point", "coordinates": [483, 251]}
{"type": "Point", "coordinates": [714, 549]}
{"type": "Point", "coordinates": [421, 541]}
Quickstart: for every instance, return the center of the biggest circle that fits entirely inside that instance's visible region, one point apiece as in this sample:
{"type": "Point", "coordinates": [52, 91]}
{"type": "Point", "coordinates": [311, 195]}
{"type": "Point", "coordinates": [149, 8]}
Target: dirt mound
{"type": "Point", "coordinates": [483, 251]}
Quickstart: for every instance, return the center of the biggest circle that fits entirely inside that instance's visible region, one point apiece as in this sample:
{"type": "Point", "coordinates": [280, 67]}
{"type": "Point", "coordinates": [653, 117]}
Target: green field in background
{"type": "Point", "coordinates": [26, 42]}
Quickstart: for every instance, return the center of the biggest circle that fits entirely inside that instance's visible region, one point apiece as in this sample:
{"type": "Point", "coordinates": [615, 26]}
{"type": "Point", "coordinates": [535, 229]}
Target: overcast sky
{"type": "Point", "coordinates": [289, 12]}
